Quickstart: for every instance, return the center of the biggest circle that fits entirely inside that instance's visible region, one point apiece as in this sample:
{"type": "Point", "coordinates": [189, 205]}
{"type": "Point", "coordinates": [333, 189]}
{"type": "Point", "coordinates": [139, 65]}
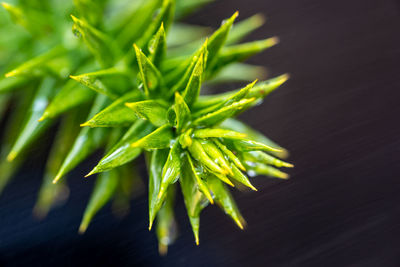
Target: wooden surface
{"type": "Point", "coordinates": [338, 115]}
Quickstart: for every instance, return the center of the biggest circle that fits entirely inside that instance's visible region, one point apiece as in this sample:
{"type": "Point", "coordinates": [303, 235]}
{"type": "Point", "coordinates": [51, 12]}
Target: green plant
{"type": "Point", "coordinates": [144, 98]}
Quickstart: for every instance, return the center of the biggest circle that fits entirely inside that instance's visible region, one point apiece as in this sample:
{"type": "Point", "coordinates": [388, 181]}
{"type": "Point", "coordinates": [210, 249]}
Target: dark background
{"type": "Point", "coordinates": [338, 115]}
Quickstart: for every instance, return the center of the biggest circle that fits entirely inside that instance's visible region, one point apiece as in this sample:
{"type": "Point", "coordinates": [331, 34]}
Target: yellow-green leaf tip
{"type": "Point", "coordinates": [7, 6]}
{"type": "Point", "coordinates": [11, 156]}
{"type": "Point", "coordinates": [82, 228]}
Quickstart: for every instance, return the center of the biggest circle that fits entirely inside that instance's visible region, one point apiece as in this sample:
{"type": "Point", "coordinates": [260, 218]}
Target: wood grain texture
{"type": "Point", "coordinates": [338, 115]}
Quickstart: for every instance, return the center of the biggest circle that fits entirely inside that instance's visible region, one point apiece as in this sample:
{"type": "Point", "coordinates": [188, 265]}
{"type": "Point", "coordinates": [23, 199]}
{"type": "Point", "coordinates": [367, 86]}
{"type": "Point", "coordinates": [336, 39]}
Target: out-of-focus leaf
{"type": "Point", "coordinates": [171, 169]}
{"type": "Point", "coordinates": [3, 104]}
{"type": "Point", "coordinates": [239, 72]}
{"type": "Point", "coordinates": [225, 200]}
{"type": "Point", "coordinates": [152, 110]}
{"type": "Point", "coordinates": [91, 11]}
{"type": "Point", "coordinates": [70, 96]}
{"type": "Point", "coordinates": [258, 156]}
{"type": "Point", "coordinates": [11, 83]}
{"type": "Point", "coordinates": [166, 224]}
{"type": "Point", "coordinates": [137, 22]}
{"type": "Point", "coordinates": [240, 52]}
{"type": "Point", "coordinates": [244, 27]}
{"type": "Point", "coordinates": [129, 185]}
{"type": "Point", "coordinates": [116, 114]}
{"type": "Point", "coordinates": [181, 34]}
{"type": "Point", "coordinates": [185, 7]}
{"type": "Point", "coordinates": [33, 20]}
{"type": "Point", "coordinates": [54, 194]}
{"type": "Point", "coordinates": [86, 143]}
{"type": "Point", "coordinates": [165, 17]}
{"type": "Point", "coordinates": [35, 66]}
{"type": "Point", "coordinates": [104, 189]}
{"type": "Point", "coordinates": [97, 42]}
{"type": "Point", "coordinates": [123, 152]}
{"type": "Point", "coordinates": [32, 128]}
{"type": "Point", "coordinates": [158, 139]}
{"type": "Point", "coordinates": [12, 129]}
{"type": "Point", "coordinates": [250, 145]}
{"type": "Point", "coordinates": [262, 169]}
{"type": "Point", "coordinates": [212, 45]}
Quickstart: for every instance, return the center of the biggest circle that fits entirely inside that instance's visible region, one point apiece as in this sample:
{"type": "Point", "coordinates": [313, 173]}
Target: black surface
{"type": "Point", "coordinates": [338, 115]}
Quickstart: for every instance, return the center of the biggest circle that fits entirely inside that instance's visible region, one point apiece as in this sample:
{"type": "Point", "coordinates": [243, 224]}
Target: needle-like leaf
{"type": "Point", "coordinates": [71, 95]}
{"type": "Point", "coordinates": [164, 17]}
{"type": "Point", "coordinates": [158, 47]}
{"type": "Point", "coordinates": [166, 224]}
{"type": "Point", "coordinates": [236, 125]}
{"type": "Point", "coordinates": [171, 169]}
{"type": "Point", "coordinates": [216, 133]}
{"type": "Point", "coordinates": [35, 66]}
{"type": "Point", "coordinates": [180, 113]}
{"type": "Point", "coordinates": [195, 201]}
{"type": "Point", "coordinates": [224, 113]}
{"type": "Point", "coordinates": [123, 152]}
{"type": "Point", "coordinates": [116, 114]}
{"type": "Point", "coordinates": [244, 27]}
{"type": "Point", "coordinates": [198, 153]}
{"type": "Point", "coordinates": [223, 197]}
{"type": "Point", "coordinates": [158, 139]}
{"type": "Point", "coordinates": [105, 187]}
{"type": "Point", "coordinates": [99, 44]}
{"type": "Point", "coordinates": [94, 81]}
{"type": "Point", "coordinates": [151, 110]}
{"type": "Point", "coordinates": [192, 89]}
{"type": "Point", "coordinates": [259, 156]}
{"type": "Point", "coordinates": [52, 194]}
{"type": "Point", "coordinates": [32, 128]}
{"type": "Point", "coordinates": [86, 143]}
{"type": "Point", "coordinates": [230, 155]}
{"type": "Point", "coordinates": [216, 155]}
{"type": "Point", "coordinates": [266, 170]}
{"type": "Point", "coordinates": [156, 161]}
{"type": "Point", "coordinates": [151, 77]}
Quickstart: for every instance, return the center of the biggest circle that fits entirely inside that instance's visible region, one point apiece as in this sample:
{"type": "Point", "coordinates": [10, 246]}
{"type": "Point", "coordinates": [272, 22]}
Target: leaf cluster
{"type": "Point", "coordinates": [128, 79]}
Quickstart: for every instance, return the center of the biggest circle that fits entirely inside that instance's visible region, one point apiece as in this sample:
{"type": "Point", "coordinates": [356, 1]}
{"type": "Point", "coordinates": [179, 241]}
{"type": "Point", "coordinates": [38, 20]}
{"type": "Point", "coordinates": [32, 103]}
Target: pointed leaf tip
{"type": "Point", "coordinates": [5, 5]}
{"type": "Point", "coordinates": [11, 156]}
{"type": "Point", "coordinates": [10, 74]}
{"type": "Point", "coordinates": [82, 228]}
{"type": "Point", "coordinates": [42, 118]}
